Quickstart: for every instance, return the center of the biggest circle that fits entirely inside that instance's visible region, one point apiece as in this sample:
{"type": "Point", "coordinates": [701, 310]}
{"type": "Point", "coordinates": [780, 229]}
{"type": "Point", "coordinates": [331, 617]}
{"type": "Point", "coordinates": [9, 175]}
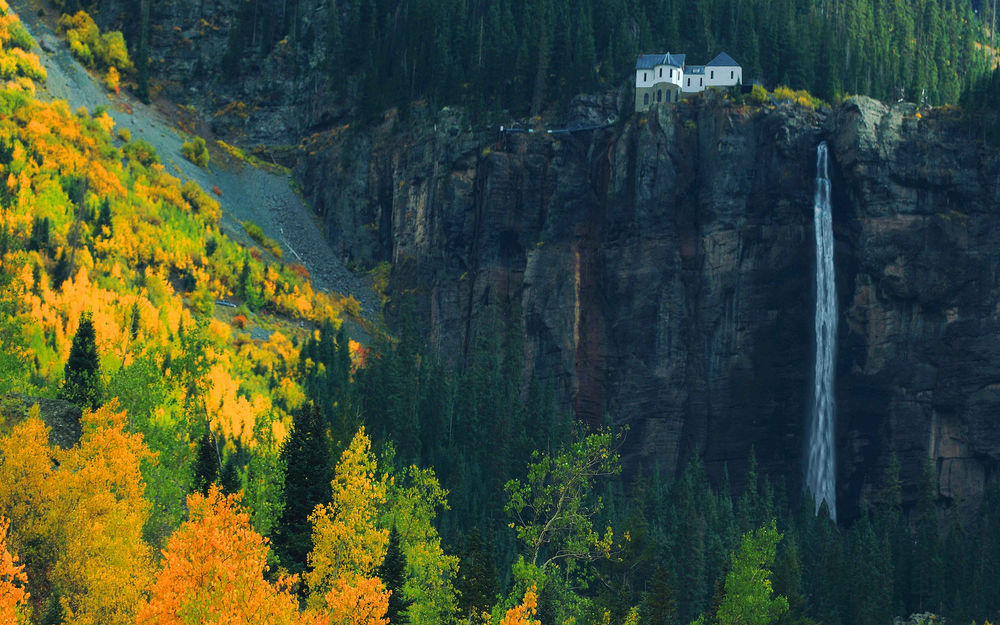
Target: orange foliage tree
{"type": "Point", "coordinates": [13, 581]}
{"type": "Point", "coordinates": [361, 602]}
{"type": "Point", "coordinates": [522, 614]}
{"type": "Point", "coordinates": [213, 571]}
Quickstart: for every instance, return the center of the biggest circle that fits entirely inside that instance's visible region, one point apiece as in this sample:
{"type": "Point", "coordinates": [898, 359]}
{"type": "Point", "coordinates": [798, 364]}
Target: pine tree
{"type": "Point", "coordinates": [229, 479]}
{"type": "Point", "coordinates": [308, 468]}
{"type": "Point", "coordinates": [206, 464]}
{"type": "Point", "coordinates": [392, 572]}
{"type": "Point", "coordinates": [82, 381]}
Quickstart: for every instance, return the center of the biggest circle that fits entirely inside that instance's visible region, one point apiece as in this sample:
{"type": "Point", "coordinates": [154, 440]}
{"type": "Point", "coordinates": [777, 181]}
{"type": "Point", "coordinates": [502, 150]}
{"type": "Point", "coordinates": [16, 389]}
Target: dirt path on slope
{"type": "Point", "coordinates": [246, 192]}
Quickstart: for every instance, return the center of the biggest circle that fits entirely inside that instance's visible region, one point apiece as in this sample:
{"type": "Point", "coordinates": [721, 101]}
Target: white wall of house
{"type": "Point", "coordinates": [723, 76]}
{"type": "Point", "coordinates": [693, 83]}
{"type": "Point", "coordinates": [659, 74]}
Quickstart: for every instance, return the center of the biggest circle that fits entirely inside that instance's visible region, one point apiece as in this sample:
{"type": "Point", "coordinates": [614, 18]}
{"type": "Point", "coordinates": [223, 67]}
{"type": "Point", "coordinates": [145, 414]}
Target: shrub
{"type": "Point", "coordinates": [758, 95]}
{"type": "Point", "coordinates": [781, 92]}
{"type": "Point", "coordinates": [112, 80]}
{"type": "Point", "coordinates": [201, 203]}
{"type": "Point", "coordinates": [141, 151]}
{"type": "Point", "coordinates": [196, 151]}
{"type": "Point", "coordinates": [257, 234]}
{"type": "Point", "coordinates": [240, 321]}
{"type": "Point", "coordinates": [125, 134]}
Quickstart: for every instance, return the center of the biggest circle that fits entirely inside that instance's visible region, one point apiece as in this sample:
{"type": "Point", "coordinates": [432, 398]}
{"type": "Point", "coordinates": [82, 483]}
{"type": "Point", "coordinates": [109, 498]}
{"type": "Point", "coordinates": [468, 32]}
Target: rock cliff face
{"type": "Point", "coordinates": [662, 271]}
{"type": "Point", "coordinates": [919, 361]}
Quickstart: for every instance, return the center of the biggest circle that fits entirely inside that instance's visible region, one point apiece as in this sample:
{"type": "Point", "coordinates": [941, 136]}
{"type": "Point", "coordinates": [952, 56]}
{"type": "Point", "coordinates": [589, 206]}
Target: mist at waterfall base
{"type": "Point", "coordinates": [820, 462]}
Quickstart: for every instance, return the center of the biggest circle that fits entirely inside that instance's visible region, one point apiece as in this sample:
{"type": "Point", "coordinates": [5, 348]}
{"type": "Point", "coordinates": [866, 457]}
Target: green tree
{"type": "Point", "coordinates": [749, 598]}
{"type": "Point", "coordinates": [392, 572]}
{"type": "Point", "coordinates": [308, 467]}
{"type": "Point", "coordinates": [82, 381]}
{"type": "Point", "coordinates": [554, 508]}
{"type": "Point", "coordinates": [206, 464]}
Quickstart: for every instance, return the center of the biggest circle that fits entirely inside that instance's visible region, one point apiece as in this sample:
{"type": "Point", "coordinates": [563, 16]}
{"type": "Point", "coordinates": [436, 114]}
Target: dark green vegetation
{"type": "Point", "coordinates": [526, 56]}
{"type": "Point", "coordinates": [477, 428]}
{"type": "Point", "coordinates": [82, 383]}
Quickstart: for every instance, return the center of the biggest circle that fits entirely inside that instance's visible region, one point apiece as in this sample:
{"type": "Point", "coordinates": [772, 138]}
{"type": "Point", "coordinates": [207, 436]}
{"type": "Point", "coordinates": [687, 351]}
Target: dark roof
{"type": "Point", "coordinates": [649, 61]}
{"type": "Point", "coordinates": [694, 69]}
{"type": "Point", "coordinates": [724, 60]}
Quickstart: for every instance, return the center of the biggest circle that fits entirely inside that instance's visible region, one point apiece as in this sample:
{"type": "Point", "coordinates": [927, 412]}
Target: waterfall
{"type": "Point", "coordinates": [821, 477]}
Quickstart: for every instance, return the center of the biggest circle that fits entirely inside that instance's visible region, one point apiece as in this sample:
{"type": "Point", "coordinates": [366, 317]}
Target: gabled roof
{"type": "Point", "coordinates": [649, 61]}
{"type": "Point", "coordinates": [723, 60]}
{"type": "Point", "coordinates": [694, 69]}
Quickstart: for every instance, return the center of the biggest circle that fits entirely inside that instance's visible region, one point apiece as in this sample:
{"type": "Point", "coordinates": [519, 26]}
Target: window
{"type": "Point", "coordinates": [711, 74]}
{"type": "Point", "coordinates": [661, 72]}
{"type": "Point", "coordinates": [645, 99]}
{"type": "Point", "coordinates": [701, 82]}
{"type": "Point", "coordinates": [644, 77]}
{"type": "Point", "coordinates": [689, 82]}
{"type": "Point", "coordinates": [659, 95]}
{"type": "Point", "coordinates": [732, 74]}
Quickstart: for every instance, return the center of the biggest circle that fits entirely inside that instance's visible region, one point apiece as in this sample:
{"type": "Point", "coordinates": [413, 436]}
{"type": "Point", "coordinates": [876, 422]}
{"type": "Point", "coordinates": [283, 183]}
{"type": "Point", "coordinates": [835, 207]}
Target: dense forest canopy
{"type": "Point", "coordinates": [525, 56]}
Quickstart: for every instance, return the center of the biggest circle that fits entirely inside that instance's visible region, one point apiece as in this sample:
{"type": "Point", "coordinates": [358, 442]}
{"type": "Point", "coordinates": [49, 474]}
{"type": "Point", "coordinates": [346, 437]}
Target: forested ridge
{"type": "Point", "coordinates": [532, 57]}
{"type": "Point", "coordinates": [528, 56]}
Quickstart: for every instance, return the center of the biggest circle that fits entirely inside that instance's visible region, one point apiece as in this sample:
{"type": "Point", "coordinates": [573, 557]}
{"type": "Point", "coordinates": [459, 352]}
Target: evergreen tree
{"type": "Point", "coordinates": [308, 471]}
{"type": "Point", "coordinates": [229, 479]}
{"type": "Point", "coordinates": [206, 464]}
{"type": "Point", "coordinates": [392, 572]}
{"type": "Point", "coordinates": [477, 575]}
{"type": "Point", "coordinates": [82, 380]}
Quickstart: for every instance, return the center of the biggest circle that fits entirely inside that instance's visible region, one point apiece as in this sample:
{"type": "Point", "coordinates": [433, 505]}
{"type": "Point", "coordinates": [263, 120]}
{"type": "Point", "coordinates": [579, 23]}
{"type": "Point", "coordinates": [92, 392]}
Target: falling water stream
{"type": "Point", "coordinates": [820, 465]}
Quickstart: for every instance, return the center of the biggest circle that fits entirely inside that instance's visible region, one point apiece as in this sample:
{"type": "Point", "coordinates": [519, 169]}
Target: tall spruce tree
{"type": "Point", "coordinates": [308, 471]}
{"type": "Point", "coordinates": [392, 572]}
{"type": "Point", "coordinates": [206, 464]}
{"type": "Point", "coordinates": [82, 380]}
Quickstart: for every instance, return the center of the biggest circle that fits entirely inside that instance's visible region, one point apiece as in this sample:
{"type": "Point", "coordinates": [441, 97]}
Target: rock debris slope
{"type": "Point", "coordinates": [247, 193]}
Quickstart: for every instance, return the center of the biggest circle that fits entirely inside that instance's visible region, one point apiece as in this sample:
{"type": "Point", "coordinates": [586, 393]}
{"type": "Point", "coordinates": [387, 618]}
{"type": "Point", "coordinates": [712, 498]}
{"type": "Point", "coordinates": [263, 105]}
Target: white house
{"type": "Point", "coordinates": [666, 77]}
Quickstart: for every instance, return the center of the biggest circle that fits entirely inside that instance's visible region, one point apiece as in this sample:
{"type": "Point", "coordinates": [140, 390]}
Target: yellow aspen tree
{"type": "Point", "coordinates": [26, 477]}
{"type": "Point", "coordinates": [104, 565]}
{"type": "Point", "coordinates": [347, 542]}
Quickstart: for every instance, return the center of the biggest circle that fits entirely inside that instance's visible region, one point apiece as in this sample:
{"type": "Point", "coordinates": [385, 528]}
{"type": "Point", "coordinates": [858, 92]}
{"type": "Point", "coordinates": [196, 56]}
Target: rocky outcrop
{"type": "Point", "coordinates": [662, 271]}
{"type": "Point", "coordinates": [269, 90]}
{"type": "Point", "coordinates": [61, 417]}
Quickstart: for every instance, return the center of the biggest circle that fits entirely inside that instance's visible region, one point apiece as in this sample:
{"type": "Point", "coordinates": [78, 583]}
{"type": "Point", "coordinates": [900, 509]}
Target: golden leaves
{"type": "Point", "coordinates": [346, 540]}
{"type": "Point", "coordinates": [213, 571]}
